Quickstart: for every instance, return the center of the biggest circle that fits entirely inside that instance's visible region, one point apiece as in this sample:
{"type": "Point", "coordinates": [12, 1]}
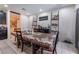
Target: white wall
{"type": "Point", "coordinates": [8, 23]}
{"type": "Point", "coordinates": [67, 20]}
{"type": "Point", "coordinates": [44, 23]}
{"type": "Point", "coordinates": [77, 6]}
{"type": "Point", "coordinates": [24, 22]}
{"type": "Point", "coordinates": [30, 21]}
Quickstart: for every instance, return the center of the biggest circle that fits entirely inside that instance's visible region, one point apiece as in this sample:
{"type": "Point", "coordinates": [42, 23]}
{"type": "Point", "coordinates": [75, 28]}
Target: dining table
{"type": "Point", "coordinates": [42, 41]}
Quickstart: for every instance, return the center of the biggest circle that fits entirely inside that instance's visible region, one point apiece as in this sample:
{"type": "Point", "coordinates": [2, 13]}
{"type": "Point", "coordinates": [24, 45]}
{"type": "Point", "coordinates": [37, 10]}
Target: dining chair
{"type": "Point", "coordinates": [55, 43]}
{"type": "Point", "coordinates": [35, 46]}
{"type": "Point", "coordinates": [20, 40]}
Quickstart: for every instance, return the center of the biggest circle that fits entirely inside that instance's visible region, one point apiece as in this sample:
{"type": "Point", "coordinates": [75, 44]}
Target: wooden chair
{"type": "Point", "coordinates": [15, 30]}
{"type": "Point", "coordinates": [55, 43]}
{"type": "Point", "coordinates": [20, 40]}
{"type": "Point", "coordinates": [35, 46]}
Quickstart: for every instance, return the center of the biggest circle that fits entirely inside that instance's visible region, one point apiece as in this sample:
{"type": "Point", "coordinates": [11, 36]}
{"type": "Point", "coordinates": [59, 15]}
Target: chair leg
{"type": "Point", "coordinates": [55, 51]}
{"type": "Point", "coordinates": [18, 43]}
{"type": "Point", "coordinates": [41, 50]}
{"type": "Point", "coordinates": [15, 38]}
{"type": "Point", "coordinates": [22, 47]}
{"type": "Point", "coordinates": [33, 49]}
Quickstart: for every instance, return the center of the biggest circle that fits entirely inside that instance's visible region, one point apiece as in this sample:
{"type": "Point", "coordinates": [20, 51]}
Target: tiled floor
{"type": "Point", "coordinates": [5, 48]}
{"type": "Point", "coordinates": [9, 47]}
{"type": "Point", "coordinates": [65, 48]}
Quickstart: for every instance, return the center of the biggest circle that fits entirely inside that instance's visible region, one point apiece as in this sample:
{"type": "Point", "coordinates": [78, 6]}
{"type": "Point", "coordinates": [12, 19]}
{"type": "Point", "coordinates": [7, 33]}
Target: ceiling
{"type": "Point", "coordinates": [33, 8]}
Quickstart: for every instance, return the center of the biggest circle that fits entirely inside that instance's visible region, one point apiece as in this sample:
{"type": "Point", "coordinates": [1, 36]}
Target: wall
{"type": "Point", "coordinates": [30, 21]}
{"type": "Point", "coordinates": [77, 27]}
{"type": "Point", "coordinates": [8, 23]}
{"type": "Point", "coordinates": [77, 6]}
{"type": "Point", "coordinates": [24, 22]}
{"type": "Point", "coordinates": [67, 20]}
{"type": "Point", "coordinates": [44, 23]}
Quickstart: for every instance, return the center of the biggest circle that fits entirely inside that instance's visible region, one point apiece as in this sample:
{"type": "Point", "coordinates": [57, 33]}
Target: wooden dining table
{"type": "Point", "coordinates": [42, 41]}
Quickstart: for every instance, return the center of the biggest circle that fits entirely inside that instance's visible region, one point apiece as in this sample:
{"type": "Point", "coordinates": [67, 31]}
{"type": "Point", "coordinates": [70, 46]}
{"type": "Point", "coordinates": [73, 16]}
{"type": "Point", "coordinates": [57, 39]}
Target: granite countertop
{"type": "Point", "coordinates": [42, 37]}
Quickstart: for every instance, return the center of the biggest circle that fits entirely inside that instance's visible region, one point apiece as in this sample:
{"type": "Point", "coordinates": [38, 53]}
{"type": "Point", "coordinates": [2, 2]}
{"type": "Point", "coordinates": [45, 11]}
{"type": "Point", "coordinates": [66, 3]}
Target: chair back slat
{"type": "Point", "coordinates": [55, 42]}
{"type": "Point", "coordinates": [19, 36]}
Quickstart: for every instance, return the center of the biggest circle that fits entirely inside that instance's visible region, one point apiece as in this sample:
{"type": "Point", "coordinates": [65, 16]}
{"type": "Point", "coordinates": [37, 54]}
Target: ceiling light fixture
{"type": "Point", "coordinates": [41, 10]}
{"type": "Point", "coordinates": [23, 9]}
{"type": "Point", "coordinates": [5, 5]}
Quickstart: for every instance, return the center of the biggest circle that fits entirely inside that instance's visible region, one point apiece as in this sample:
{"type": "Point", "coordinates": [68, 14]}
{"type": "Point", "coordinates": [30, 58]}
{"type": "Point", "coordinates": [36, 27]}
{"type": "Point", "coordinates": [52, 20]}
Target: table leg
{"type": "Point", "coordinates": [22, 46]}
{"type": "Point", "coordinates": [15, 38]}
{"type": "Point", "coordinates": [35, 48]}
{"type": "Point", "coordinates": [41, 50]}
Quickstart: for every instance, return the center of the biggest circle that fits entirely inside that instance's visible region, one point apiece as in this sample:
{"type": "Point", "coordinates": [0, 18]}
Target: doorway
{"type": "Point", "coordinates": [14, 24]}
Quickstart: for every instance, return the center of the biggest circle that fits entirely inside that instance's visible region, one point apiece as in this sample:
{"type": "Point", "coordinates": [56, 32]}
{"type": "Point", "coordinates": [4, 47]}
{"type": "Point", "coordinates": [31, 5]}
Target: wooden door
{"type": "Point", "coordinates": [14, 21]}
